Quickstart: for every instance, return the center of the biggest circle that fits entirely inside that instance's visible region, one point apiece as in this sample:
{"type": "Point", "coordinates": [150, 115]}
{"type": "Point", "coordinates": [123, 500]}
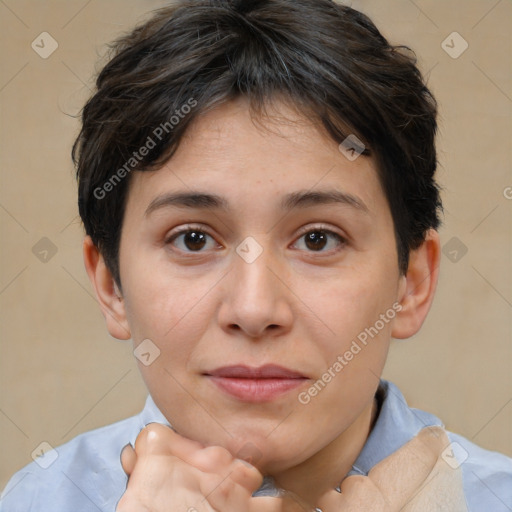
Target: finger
{"type": "Point", "coordinates": [128, 459]}
{"type": "Point", "coordinates": [216, 459]}
{"type": "Point", "coordinates": [211, 459]}
{"type": "Point", "coordinates": [266, 504]}
{"type": "Point", "coordinates": [270, 504]}
{"type": "Point", "coordinates": [246, 475]}
{"type": "Point", "coordinates": [400, 475]}
{"type": "Point", "coordinates": [156, 438]}
{"type": "Point", "coordinates": [225, 495]}
{"type": "Point", "coordinates": [392, 482]}
{"type": "Point", "coordinates": [163, 482]}
{"type": "Point", "coordinates": [294, 503]}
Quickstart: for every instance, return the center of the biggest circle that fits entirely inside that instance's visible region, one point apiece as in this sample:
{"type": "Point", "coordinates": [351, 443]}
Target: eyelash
{"type": "Point", "coordinates": [341, 241]}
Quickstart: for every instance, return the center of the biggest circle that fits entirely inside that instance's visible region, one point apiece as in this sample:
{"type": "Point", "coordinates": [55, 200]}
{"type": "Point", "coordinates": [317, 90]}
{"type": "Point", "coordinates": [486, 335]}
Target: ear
{"type": "Point", "coordinates": [417, 287]}
{"type": "Point", "coordinates": [109, 297]}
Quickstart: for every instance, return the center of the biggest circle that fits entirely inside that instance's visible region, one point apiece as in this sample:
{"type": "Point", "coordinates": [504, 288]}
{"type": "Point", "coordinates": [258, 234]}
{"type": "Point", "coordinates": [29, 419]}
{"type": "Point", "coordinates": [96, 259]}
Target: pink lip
{"type": "Point", "coordinates": [261, 384]}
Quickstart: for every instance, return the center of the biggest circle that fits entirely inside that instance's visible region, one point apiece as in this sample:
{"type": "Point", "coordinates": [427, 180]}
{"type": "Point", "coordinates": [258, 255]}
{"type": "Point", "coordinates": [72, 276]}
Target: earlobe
{"type": "Point", "coordinates": [417, 287]}
{"type": "Point", "coordinates": [107, 292]}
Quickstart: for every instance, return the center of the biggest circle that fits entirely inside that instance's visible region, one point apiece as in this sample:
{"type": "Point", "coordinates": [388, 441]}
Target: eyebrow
{"type": "Point", "coordinates": [300, 199]}
{"type": "Point", "coordinates": [303, 199]}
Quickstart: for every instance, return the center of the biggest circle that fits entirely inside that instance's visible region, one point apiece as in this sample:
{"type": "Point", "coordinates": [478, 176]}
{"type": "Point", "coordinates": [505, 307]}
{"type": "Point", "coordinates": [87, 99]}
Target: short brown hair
{"type": "Point", "coordinates": [328, 60]}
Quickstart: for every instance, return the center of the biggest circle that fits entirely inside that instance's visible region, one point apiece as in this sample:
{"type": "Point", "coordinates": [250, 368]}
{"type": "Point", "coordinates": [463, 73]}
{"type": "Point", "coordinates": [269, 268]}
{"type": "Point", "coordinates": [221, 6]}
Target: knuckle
{"type": "Point", "coordinates": [218, 488]}
{"type": "Point", "coordinates": [152, 438]}
{"type": "Point", "coordinates": [218, 455]}
{"type": "Point", "coordinates": [245, 474]}
{"type": "Point", "coordinates": [224, 489]}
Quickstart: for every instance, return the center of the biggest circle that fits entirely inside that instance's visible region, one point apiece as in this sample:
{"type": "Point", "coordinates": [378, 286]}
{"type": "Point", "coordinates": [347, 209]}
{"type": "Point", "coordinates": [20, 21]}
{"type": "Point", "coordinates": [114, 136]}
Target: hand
{"type": "Point", "coordinates": [169, 473]}
{"type": "Point", "coordinates": [414, 478]}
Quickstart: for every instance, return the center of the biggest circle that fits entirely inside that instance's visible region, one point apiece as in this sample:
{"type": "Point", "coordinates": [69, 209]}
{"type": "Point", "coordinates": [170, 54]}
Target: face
{"type": "Point", "coordinates": [262, 263]}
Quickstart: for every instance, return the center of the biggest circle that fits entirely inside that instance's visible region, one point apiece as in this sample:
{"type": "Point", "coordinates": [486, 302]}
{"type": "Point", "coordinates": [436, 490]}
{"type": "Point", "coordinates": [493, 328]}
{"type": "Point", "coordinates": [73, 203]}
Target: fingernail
{"type": "Point", "coordinates": [122, 451]}
{"type": "Point", "coordinates": [126, 446]}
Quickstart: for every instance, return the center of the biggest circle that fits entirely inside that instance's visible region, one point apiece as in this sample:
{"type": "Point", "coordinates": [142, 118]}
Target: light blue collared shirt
{"type": "Point", "coordinates": [85, 474]}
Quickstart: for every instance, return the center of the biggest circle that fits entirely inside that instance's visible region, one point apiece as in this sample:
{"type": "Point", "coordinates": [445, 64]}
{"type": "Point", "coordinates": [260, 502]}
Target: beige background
{"type": "Point", "coordinates": [60, 372]}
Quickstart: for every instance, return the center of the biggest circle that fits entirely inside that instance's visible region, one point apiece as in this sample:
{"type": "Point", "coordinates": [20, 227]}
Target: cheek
{"type": "Point", "coordinates": [353, 354]}
{"type": "Point", "coordinates": [174, 313]}
{"type": "Point", "coordinates": [348, 304]}
{"type": "Point", "coordinates": [160, 302]}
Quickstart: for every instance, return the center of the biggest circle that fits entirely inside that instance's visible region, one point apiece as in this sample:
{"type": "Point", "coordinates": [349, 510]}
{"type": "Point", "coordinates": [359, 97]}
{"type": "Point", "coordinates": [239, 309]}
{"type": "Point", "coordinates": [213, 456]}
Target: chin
{"type": "Point", "coordinates": [264, 455]}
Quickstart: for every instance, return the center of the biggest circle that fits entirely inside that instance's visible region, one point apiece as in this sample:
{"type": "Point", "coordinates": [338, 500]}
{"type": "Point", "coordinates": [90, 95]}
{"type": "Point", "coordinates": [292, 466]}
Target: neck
{"type": "Point", "coordinates": [325, 470]}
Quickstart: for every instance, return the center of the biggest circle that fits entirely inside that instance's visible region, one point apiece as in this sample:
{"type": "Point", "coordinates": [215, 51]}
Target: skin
{"type": "Point", "coordinates": [293, 306]}
{"type": "Point", "coordinates": [176, 471]}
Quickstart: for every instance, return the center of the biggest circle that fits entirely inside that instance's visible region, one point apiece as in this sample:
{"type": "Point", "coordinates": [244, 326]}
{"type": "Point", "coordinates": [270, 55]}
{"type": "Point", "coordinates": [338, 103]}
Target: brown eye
{"type": "Point", "coordinates": [317, 240]}
{"type": "Point", "coordinates": [191, 240]}
{"type": "Point", "coordinates": [194, 240]}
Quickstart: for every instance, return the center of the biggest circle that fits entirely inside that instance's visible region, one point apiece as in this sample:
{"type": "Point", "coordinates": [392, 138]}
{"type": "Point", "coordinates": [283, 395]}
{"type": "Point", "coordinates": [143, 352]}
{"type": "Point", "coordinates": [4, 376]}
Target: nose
{"type": "Point", "coordinates": [256, 299]}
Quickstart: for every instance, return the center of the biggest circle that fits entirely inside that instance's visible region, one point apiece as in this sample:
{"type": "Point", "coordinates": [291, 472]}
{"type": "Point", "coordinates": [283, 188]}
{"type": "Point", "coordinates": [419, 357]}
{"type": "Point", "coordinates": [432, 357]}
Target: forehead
{"type": "Point", "coordinates": [233, 153]}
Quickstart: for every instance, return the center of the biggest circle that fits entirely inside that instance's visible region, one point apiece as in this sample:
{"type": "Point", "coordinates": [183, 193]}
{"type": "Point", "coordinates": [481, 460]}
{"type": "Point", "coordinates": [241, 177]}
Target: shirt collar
{"type": "Point", "coordinates": [396, 424]}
